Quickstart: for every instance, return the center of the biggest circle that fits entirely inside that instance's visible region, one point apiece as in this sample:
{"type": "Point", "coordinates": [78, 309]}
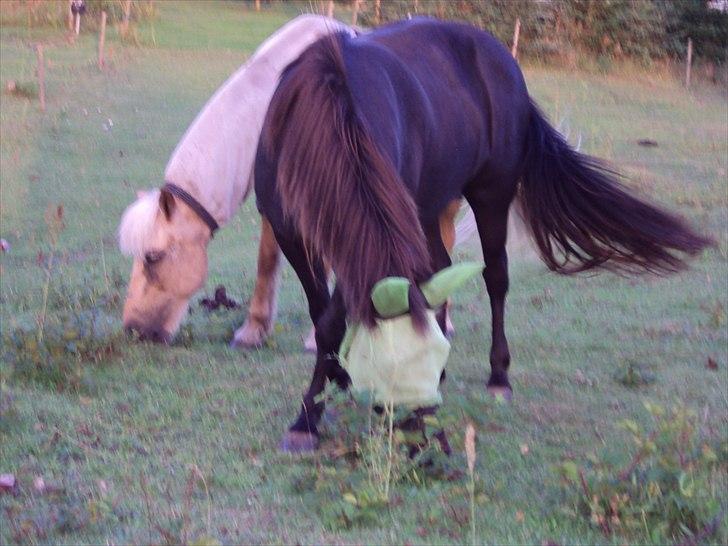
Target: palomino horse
{"type": "Point", "coordinates": [368, 140]}
{"type": "Point", "coordinates": [207, 178]}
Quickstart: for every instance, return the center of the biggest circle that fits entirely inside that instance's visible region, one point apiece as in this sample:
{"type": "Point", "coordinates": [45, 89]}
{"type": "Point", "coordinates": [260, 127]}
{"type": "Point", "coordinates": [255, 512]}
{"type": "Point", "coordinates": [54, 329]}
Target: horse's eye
{"type": "Point", "coordinates": [152, 257]}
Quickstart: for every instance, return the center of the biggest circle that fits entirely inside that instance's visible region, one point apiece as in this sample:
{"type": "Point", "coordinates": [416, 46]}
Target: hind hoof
{"type": "Point", "coordinates": [500, 393]}
{"type": "Point", "coordinates": [309, 344]}
{"type": "Point", "coordinates": [298, 442]}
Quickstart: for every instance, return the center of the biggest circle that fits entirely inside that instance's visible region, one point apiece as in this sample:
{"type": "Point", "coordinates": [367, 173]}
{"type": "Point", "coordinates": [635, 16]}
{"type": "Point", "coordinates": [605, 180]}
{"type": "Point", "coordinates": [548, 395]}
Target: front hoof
{"type": "Point", "coordinates": [251, 335]}
{"type": "Point", "coordinates": [299, 442]}
{"type": "Point", "coordinates": [310, 342]}
{"type": "Point", "coordinates": [500, 392]}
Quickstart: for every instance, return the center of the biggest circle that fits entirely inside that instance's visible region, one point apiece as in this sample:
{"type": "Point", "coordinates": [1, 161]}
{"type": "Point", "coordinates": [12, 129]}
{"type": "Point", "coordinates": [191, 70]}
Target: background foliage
{"type": "Point", "coordinates": [643, 30]}
{"type": "Point", "coordinates": [54, 13]}
{"type": "Point", "coordinates": [640, 29]}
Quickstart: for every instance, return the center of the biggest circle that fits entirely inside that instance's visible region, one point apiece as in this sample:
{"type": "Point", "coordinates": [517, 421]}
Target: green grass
{"type": "Point", "coordinates": [153, 413]}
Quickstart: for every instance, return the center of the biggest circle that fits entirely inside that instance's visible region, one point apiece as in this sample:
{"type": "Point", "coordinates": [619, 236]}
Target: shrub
{"type": "Point", "coordinates": [667, 490]}
{"type": "Point", "coordinates": [70, 341]}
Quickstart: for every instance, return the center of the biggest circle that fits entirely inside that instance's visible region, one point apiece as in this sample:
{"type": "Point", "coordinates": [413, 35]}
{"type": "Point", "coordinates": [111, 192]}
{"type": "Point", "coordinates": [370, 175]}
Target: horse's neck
{"type": "Point", "coordinates": [214, 160]}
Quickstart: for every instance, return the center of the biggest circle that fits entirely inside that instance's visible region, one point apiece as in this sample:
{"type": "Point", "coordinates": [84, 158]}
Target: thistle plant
{"type": "Point", "coordinates": [55, 225]}
{"type": "Point", "coordinates": [470, 456]}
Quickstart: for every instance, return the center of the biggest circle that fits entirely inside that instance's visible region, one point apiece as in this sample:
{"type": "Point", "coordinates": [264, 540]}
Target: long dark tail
{"type": "Point", "coordinates": [343, 194]}
{"type": "Point", "coordinates": [581, 217]}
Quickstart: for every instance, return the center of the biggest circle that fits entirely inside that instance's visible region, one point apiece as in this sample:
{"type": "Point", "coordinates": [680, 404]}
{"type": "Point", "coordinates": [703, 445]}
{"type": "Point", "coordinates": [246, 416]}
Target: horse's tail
{"type": "Point", "coordinates": [581, 217]}
{"type": "Point", "coordinates": [340, 190]}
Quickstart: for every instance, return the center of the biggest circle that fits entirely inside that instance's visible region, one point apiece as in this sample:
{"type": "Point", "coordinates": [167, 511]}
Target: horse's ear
{"type": "Point", "coordinates": [166, 203]}
{"type": "Point", "coordinates": [445, 282]}
{"type": "Point", "coordinates": [390, 296]}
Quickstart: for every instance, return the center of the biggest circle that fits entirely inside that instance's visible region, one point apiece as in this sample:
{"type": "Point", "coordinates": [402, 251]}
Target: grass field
{"type": "Point", "coordinates": [179, 443]}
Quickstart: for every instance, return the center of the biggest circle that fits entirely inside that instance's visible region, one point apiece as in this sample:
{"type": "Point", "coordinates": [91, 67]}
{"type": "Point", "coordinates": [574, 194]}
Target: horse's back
{"type": "Point", "coordinates": [460, 95]}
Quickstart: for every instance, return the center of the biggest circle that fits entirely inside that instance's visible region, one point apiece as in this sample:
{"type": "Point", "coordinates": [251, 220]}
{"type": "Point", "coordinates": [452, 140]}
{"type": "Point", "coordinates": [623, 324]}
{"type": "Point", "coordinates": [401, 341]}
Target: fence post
{"type": "Point", "coordinates": [41, 76]}
{"type": "Point", "coordinates": [330, 9]}
{"type": "Point", "coordinates": [102, 39]}
{"type": "Point", "coordinates": [125, 21]}
{"type": "Point", "coordinates": [70, 16]}
{"type": "Point", "coordinates": [689, 64]}
{"type": "Point", "coordinates": [355, 13]}
{"type": "Point", "coordinates": [257, 5]}
{"type": "Point", "coordinates": [377, 11]}
{"type": "Point", "coordinates": [516, 34]}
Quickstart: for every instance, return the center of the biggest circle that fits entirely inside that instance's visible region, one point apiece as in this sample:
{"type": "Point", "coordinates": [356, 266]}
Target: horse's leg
{"type": "Point", "coordinates": [492, 220]}
{"type": "Point", "coordinates": [447, 234]}
{"type": "Point", "coordinates": [439, 258]}
{"type": "Point", "coordinates": [310, 342]}
{"type": "Point", "coordinates": [303, 434]}
{"type": "Point", "coordinates": [327, 313]}
{"type": "Point", "coordinates": [262, 310]}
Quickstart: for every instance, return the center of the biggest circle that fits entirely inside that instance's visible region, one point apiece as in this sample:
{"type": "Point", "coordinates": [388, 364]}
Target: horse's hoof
{"type": "Point", "coordinates": [310, 342]}
{"type": "Point", "coordinates": [449, 328]}
{"type": "Point", "coordinates": [299, 442]}
{"type": "Point", "coordinates": [250, 335]}
{"type": "Point", "coordinates": [500, 393]}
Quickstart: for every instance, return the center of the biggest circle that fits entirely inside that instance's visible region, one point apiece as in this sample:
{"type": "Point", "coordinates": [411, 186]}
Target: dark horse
{"type": "Point", "coordinates": [367, 140]}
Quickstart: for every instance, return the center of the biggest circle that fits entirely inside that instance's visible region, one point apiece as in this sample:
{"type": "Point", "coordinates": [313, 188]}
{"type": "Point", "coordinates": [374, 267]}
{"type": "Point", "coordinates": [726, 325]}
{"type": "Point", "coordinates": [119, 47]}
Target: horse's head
{"type": "Point", "coordinates": [168, 241]}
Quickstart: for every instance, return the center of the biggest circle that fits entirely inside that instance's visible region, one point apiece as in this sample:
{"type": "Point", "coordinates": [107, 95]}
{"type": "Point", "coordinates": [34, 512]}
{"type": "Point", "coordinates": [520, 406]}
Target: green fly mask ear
{"type": "Point", "coordinates": [390, 296]}
{"type": "Point", "coordinates": [445, 282]}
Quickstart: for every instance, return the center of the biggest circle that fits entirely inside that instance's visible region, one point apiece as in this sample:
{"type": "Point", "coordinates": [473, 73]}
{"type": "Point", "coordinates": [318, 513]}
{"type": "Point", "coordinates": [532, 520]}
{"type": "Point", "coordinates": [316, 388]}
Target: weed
{"type": "Point", "coordinates": [59, 509]}
{"type": "Point", "coordinates": [382, 450]}
{"type": "Point", "coordinates": [58, 358]}
{"type": "Point", "coordinates": [668, 490]}
{"type": "Point", "coordinates": [25, 90]}
{"type": "Point", "coordinates": [470, 456]}
{"type": "Point", "coordinates": [177, 529]}
{"type": "Point", "coordinates": [55, 225]}
{"type": "Point", "coordinates": [633, 376]}
{"type": "Point", "coordinates": [8, 412]}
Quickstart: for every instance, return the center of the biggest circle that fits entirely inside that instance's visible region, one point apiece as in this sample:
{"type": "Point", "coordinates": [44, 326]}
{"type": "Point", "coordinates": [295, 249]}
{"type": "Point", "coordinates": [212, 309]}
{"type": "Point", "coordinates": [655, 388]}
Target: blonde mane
{"type": "Point", "coordinates": [214, 159]}
{"type": "Point", "coordinates": [138, 224]}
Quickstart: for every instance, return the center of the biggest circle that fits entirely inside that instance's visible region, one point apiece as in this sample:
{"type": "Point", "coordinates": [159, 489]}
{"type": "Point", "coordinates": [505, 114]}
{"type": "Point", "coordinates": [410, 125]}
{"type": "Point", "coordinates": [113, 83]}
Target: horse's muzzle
{"type": "Point", "coordinates": [148, 333]}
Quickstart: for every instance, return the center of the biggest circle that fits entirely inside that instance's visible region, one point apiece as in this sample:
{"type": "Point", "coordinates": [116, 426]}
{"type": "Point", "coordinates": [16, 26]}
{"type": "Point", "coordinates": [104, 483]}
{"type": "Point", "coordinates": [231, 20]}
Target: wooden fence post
{"type": "Point", "coordinates": [689, 63]}
{"type": "Point", "coordinates": [377, 11]}
{"type": "Point", "coordinates": [41, 76]}
{"type": "Point", "coordinates": [516, 34]}
{"type": "Point", "coordinates": [102, 39]}
{"type": "Point", "coordinates": [330, 9]}
{"type": "Point", "coordinates": [355, 13]}
{"type": "Point", "coordinates": [257, 5]}
{"type": "Point", "coordinates": [70, 16]}
{"type": "Point", "coordinates": [125, 21]}
{"type": "Point", "coordinates": [78, 23]}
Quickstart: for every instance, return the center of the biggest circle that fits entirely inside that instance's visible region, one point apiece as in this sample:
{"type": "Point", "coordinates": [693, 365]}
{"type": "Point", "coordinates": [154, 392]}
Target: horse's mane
{"type": "Point", "coordinates": [343, 193]}
{"type": "Point", "coordinates": [137, 225]}
{"type": "Point", "coordinates": [215, 157]}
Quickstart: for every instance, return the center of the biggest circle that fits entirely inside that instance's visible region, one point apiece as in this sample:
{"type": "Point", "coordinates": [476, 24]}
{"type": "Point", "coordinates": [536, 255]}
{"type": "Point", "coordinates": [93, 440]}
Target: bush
{"type": "Point", "coordinates": [668, 489]}
{"type": "Point", "coordinates": [56, 355]}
